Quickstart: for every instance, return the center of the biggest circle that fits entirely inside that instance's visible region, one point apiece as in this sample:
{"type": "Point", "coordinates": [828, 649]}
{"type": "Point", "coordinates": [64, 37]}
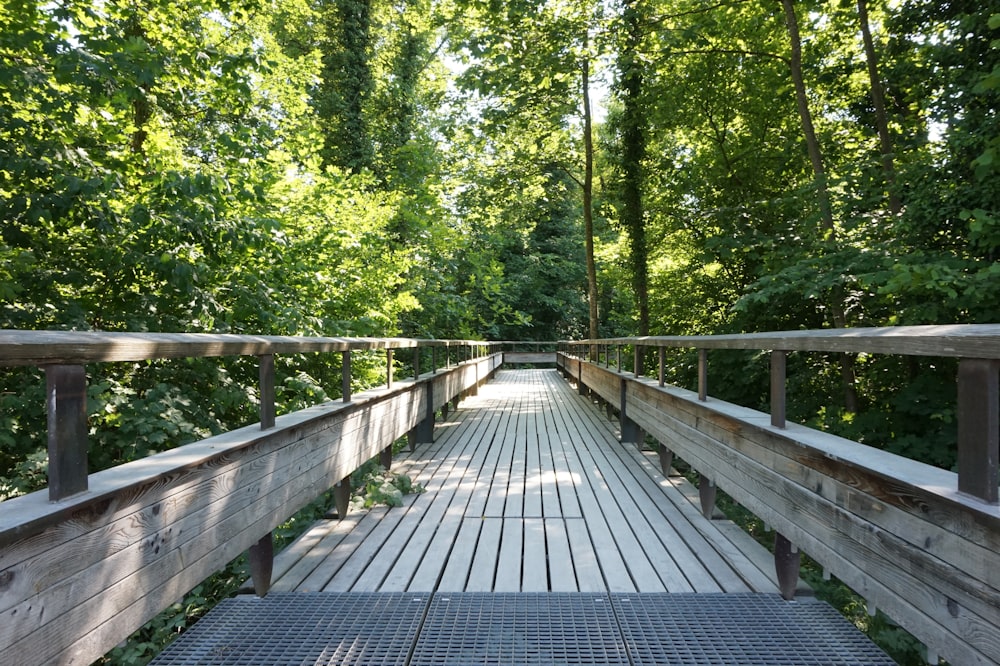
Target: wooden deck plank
{"type": "Point", "coordinates": [459, 564]}
{"type": "Point", "coordinates": [585, 565]}
{"type": "Point", "coordinates": [484, 564]}
{"type": "Point", "coordinates": [509, 561]}
{"type": "Point", "coordinates": [562, 577]}
{"type": "Point", "coordinates": [535, 567]}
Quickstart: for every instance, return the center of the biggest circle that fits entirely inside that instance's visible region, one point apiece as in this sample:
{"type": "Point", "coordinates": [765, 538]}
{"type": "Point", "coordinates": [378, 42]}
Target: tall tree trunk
{"type": "Point", "coordinates": [881, 117]}
{"type": "Point", "coordinates": [827, 228]}
{"type": "Point", "coordinates": [345, 84]}
{"type": "Point", "coordinates": [633, 153]}
{"type": "Point", "coordinates": [588, 201]}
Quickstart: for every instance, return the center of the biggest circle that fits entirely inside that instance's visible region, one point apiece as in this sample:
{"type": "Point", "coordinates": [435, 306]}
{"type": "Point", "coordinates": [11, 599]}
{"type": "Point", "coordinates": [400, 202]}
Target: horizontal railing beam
{"type": "Point", "coordinates": [18, 348]}
{"type": "Point", "coordinates": [955, 341]}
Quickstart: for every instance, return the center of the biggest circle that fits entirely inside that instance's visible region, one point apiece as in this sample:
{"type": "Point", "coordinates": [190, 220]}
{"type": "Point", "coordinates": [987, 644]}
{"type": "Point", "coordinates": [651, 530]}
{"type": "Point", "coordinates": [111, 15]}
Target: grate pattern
{"type": "Point", "coordinates": [740, 629]}
{"type": "Point", "coordinates": [529, 628]}
{"type": "Point", "coordinates": [546, 628]}
{"type": "Point", "coordinates": [303, 629]}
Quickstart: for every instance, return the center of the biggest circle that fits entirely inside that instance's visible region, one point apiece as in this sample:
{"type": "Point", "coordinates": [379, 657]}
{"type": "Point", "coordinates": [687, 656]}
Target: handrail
{"type": "Point", "coordinates": [951, 340]}
{"type": "Point", "coordinates": [63, 355]}
{"type": "Point", "coordinates": [21, 347]}
{"type": "Point", "coordinates": [915, 539]}
{"type": "Point", "coordinates": [87, 563]}
{"type": "Point", "coordinates": [977, 346]}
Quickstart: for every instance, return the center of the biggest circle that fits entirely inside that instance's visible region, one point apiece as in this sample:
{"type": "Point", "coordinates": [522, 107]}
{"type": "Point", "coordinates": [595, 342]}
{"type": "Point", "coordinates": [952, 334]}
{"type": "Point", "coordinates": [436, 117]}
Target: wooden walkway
{"type": "Point", "coordinates": [529, 490]}
{"type": "Point", "coordinates": [541, 540]}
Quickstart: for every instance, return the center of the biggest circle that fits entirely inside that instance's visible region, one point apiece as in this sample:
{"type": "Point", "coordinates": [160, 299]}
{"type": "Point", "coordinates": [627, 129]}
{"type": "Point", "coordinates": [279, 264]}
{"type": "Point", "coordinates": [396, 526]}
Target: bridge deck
{"type": "Point", "coordinates": [529, 490]}
{"type": "Point", "coordinates": [540, 539]}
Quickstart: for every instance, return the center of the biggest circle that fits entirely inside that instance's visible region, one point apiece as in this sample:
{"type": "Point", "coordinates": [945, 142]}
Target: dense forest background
{"type": "Point", "coordinates": [519, 169]}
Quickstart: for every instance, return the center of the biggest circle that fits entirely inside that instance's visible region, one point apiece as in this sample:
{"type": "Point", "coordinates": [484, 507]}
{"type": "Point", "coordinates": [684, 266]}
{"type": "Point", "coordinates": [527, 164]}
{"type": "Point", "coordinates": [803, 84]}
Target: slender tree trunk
{"type": "Point", "coordinates": [633, 153]}
{"type": "Point", "coordinates": [588, 201]}
{"type": "Point", "coordinates": [881, 117]}
{"type": "Point", "coordinates": [808, 130]}
{"type": "Point", "coordinates": [142, 110]}
{"type": "Point", "coordinates": [827, 228]}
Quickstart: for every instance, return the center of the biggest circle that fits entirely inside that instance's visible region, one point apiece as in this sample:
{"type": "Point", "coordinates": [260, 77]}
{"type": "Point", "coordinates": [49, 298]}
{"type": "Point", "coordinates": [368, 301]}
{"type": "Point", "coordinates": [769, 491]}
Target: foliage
{"type": "Point", "coordinates": [374, 485]}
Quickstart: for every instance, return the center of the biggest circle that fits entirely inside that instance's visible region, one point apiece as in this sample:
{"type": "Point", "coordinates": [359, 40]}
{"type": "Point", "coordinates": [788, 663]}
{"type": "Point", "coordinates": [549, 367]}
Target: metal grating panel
{"type": "Point", "coordinates": [303, 629]}
{"type": "Point", "coordinates": [740, 629]}
{"type": "Point", "coordinates": [530, 628]}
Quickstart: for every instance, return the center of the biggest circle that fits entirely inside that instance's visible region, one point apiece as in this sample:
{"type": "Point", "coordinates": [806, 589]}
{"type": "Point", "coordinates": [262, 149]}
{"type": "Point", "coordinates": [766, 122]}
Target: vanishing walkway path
{"type": "Point", "coordinates": [540, 539]}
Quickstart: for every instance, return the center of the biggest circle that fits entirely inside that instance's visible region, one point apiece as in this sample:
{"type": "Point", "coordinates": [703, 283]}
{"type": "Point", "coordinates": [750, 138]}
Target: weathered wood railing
{"type": "Point", "coordinates": [91, 559]}
{"type": "Point", "coordinates": [528, 353]}
{"type": "Point", "coordinates": [919, 542]}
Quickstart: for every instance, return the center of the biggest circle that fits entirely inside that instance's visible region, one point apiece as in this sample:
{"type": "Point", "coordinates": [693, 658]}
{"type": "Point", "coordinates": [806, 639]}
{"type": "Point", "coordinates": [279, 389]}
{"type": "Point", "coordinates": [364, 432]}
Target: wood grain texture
{"type": "Point", "coordinates": [896, 530]}
{"type": "Point", "coordinates": [958, 340]}
{"type": "Point", "coordinates": [78, 576]}
{"type": "Point", "coordinates": [79, 347]}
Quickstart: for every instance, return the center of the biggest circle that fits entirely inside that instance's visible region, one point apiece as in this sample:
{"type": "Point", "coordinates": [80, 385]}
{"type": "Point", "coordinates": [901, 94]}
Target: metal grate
{"type": "Point", "coordinates": [546, 628]}
{"type": "Point", "coordinates": [529, 628]}
{"type": "Point", "coordinates": [303, 629]}
{"type": "Point", "coordinates": [740, 629]}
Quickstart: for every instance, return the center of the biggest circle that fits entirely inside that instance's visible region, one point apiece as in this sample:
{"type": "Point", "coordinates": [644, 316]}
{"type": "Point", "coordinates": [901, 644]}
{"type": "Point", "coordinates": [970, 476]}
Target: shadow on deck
{"type": "Point", "coordinates": [540, 539]}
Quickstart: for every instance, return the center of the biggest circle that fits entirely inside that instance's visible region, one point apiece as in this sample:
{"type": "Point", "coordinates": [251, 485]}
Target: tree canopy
{"type": "Point", "coordinates": [429, 168]}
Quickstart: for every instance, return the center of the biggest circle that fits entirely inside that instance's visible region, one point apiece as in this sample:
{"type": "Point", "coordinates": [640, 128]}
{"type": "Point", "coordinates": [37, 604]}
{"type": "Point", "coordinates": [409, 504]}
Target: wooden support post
{"type": "Point", "coordinates": [425, 428]}
{"type": "Point", "coordinates": [706, 493]}
{"type": "Point", "coordinates": [345, 375]}
{"type": "Point", "coordinates": [661, 358]}
{"type": "Point", "coordinates": [416, 363]}
{"type": "Point", "coordinates": [444, 410]}
{"type": "Point", "coordinates": [388, 368]}
{"type": "Point", "coordinates": [342, 497]}
{"type": "Point", "coordinates": [385, 457]}
{"type": "Point", "coordinates": [703, 375]}
{"type": "Point", "coordinates": [978, 428]}
{"type": "Point", "coordinates": [267, 409]}
{"type": "Point", "coordinates": [66, 403]}
{"type": "Point", "coordinates": [666, 459]}
{"type": "Point", "coordinates": [618, 358]}
{"type": "Point", "coordinates": [261, 560]}
{"type": "Point", "coordinates": [786, 566]}
{"type": "Point", "coordinates": [778, 365]}
{"type": "Point", "coordinates": [434, 360]}
{"type": "Point", "coordinates": [631, 432]}
{"type": "Point", "coordinates": [580, 388]}
{"type": "Point", "coordinates": [637, 360]}
{"type": "Point", "coordinates": [411, 439]}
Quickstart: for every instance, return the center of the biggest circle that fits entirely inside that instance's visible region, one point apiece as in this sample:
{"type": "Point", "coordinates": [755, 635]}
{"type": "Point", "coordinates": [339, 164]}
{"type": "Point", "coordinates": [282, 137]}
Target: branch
{"type": "Point", "coordinates": [758, 54]}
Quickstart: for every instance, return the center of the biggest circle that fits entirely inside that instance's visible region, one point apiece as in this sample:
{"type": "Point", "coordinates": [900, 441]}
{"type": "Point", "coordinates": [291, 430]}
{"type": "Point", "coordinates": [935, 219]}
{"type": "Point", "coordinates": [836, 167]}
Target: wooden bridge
{"type": "Point", "coordinates": [547, 533]}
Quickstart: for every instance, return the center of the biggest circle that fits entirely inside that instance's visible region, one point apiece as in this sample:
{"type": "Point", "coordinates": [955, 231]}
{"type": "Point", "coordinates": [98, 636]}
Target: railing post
{"type": "Point", "coordinates": [786, 565]}
{"type": "Point", "coordinates": [345, 375]}
{"type": "Point", "coordinates": [434, 360]}
{"type": "Point", "coordinates": [260, 557]}
{"type": "Point", "coordinates": [637, 360]}
{"type": "Point", "coordinates": [631, 432]}
{"type": "Point", "coordinates": [66, 403]}
{"type": "Point", "coordinates": [978, 428]}
{"type": "Point", "coordinates": [342, 496]}
{"type": "Point", "coordinates": [778, 374]}
{"type": "Point", "coordinates": [618, 358]}
{"type": "Point", "coordinates": [388, 368]}
{"type": "Point", "coordinates": [661, 358]}
{"type": "Point", "coordinates": [707, 492]}
{"type": "Point", "coordinates": [267, 407]}
{"type": "Point", "coordinates": [416, 363]}
{"type": "Point", "coordinates": [703, 375]}
{"type": "Point", "coordinates": [666, 459]}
